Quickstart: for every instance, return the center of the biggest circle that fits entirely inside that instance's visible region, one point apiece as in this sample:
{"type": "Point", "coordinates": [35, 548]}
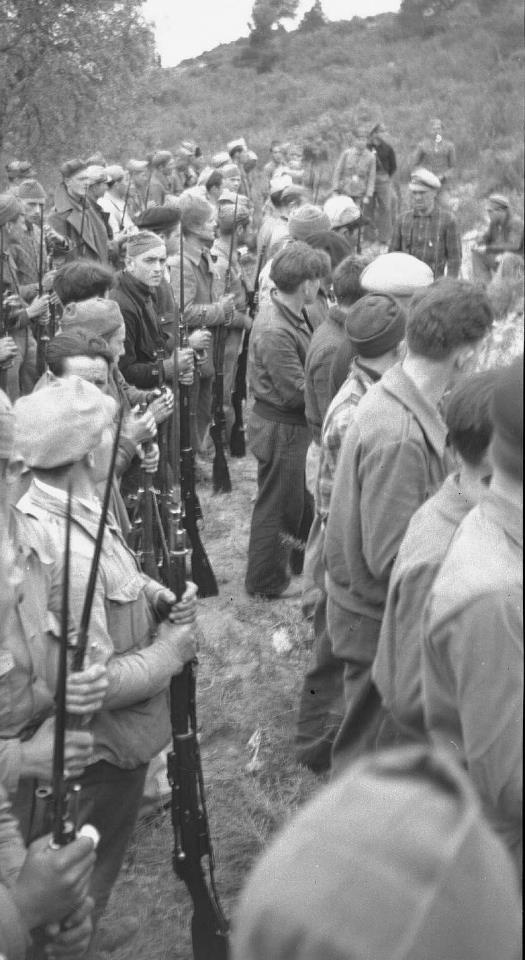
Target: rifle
{"type": "Point", "coordinates": [221, 475]}
{"type": "Point", "coordinates": [192, 841]}
{"type": "Point", "coordinates": [3, 324]}
{"type": "Point", "coordinates": [42, 332]}
{"type": "Point", "coordinates": [79, 650]}
{"type": "Point", "coordinates": [125, 207]}
{"type": "Point", "coordinates": [80, 244]}
{"type": "Point", "coordinates": [146, 195]}
{"type": "Point", "coordinates": [201, 570]}
{"type": "Point", "coordinates": [237, 436]}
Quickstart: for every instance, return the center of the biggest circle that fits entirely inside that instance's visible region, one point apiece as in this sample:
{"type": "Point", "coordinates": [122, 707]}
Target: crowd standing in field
{"type": "Point", "coordinates": [148, 311]}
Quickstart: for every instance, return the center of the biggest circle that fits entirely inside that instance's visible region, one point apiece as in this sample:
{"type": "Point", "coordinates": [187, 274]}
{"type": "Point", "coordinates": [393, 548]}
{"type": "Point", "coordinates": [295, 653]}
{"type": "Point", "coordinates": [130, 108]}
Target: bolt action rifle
{"type": "Point", "coordinates": [3, 323]}
{"type": "Point", "coordinates": [221, 474]}
{"type": "Point", "coordinates": [192, 841]}
{"type": "Point", "coordinates": [201, 570]}
{"type": "Point", "coordinates": [42, 331]}
{"type": "Point", "coordinates": [237, 437]}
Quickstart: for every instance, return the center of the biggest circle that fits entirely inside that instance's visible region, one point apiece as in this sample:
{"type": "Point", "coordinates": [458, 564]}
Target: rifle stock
{"type": "Point", "coordinates": [3, 325]}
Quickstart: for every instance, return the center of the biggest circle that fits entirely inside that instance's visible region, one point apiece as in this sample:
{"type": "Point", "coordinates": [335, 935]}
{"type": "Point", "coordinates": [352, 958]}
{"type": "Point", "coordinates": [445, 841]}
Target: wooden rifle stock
{"type": "Point", "coordinates": [220, 473]}
{"type": "Point", "coordinates": [201, 570]}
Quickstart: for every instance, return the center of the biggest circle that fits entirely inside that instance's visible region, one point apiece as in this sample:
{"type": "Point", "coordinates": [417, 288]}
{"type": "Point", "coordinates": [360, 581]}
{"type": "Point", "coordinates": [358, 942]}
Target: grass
{"type": "Point", "coordinates": [244, 689]}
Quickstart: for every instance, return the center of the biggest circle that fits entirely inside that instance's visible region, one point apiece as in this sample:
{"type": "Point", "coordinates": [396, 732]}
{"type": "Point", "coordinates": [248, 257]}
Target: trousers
{"type": "Point", "coordinates": [283, 508]}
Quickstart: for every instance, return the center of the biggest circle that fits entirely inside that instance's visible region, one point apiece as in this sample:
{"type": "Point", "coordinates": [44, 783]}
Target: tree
{"type": "Point", "coordinates": [69, 70]}
{"type": "Point", "coordinates": [425, 17]}
{"type": "Point", "coordinates": [266, 14]}
{"type": "Point", "coordinates": [313, 19]}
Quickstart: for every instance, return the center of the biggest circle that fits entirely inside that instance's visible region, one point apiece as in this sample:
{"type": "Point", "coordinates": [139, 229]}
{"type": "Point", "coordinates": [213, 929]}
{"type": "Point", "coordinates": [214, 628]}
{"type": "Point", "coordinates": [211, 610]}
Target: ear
{"type": "Point", "coordinates": [89, 459]}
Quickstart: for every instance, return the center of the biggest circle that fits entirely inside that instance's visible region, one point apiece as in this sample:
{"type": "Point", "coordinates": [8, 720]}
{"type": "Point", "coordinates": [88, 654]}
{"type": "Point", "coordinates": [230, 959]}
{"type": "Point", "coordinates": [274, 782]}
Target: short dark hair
{"type": "Point", "coordinates": [345, 280]}
{"type": "Point", "coordinates": [82, 280]}
{"type": "Point", "coordinates": [214, 180]}
{"type": "Point", "coordinates": [467, 415]}
{"type": "Point", "coordinates": [297, 262]}
{"type": "Point", "coordinates": [450, 314]}
{"type": "Point", "coordinates": [77, 344]}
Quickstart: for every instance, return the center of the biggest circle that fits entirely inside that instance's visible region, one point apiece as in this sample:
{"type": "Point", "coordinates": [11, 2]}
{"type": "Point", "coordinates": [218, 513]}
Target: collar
{"type": "Point", "coordinates": [193, 251]}
{"type": "Point", "coordinates": [135, 286]}
{"type": "Point", "coordinates": [92, 505]}
{"type": "Point", "coordinates": [505, 514]}
{"type": "Point", "coordinates": [299, 320]}
{"type": "Point", "coordinates": [396, 382]}
{"type": "Point", "coordinates": [451, 501]}
{"type": "Point", "coordinates": [373, 375]}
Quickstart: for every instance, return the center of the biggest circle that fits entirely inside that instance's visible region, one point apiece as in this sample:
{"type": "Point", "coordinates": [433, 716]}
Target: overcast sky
{"type": "Point", "coordinates": [186, 28]}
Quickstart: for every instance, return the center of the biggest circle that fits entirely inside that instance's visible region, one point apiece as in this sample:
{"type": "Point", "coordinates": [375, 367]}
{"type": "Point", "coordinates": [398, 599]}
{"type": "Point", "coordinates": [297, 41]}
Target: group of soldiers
{"type": "Point", "coordinates": [387, 427]}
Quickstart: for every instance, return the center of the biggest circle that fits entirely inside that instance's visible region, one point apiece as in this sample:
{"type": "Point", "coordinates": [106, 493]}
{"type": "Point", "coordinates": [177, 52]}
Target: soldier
{"type": "Point", "coordinates": [74, 216]}
{"type": "Point", "coordinates": [393, 456]}
{"type": "Point", "coordinates": [355, 171]}
{"type": "Point", "coordinates": [386, 167]}
{"type": "Point", "coordinates": [473, 630]}
{"type": "Point", "coordinates": [504, 234]}
{"type": "Point", "coordinates": [18, 170]}
{"type": "Point", "coordinates": [238, 151]}
{"type": "Point", "coordinates": [115, 201]}
{"type": "Point", "coordinates": [427, 231]}
{"type": "Point", "coordinates": [436, 154]}
{"type": "Point", "coordinates": [139, 171]}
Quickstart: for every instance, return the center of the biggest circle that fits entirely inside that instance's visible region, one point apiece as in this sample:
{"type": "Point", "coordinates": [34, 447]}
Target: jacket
{"type": "Point", "coordinates": [86, 233]}
{"type": "Point", "coordinates": [144, 334]}
{"type": "Point", "coordinates": [355, 173]}
{"type": "Point", "coordinates": [324, 345]}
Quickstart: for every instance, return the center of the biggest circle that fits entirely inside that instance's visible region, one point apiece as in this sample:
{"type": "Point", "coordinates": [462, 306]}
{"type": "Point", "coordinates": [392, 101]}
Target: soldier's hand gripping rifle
{"type": "Point", "coordinates": [220, 473]}
{"type": "Point", "coordinates": [237, 437]}
{"type": "Point", "coordinates": [192, 842]}
{"type": "Point", "coordinates": [201, 570]}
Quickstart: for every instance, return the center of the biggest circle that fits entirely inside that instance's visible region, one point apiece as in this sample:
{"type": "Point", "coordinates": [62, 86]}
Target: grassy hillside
{"type": "Point", "coordinates": [305, 85]}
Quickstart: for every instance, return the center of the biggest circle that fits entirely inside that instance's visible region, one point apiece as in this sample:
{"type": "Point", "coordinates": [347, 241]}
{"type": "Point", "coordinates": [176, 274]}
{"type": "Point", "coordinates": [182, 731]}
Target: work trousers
{"type": "Point", "coordinates": [381, 211]}
{"type": "Point", "coordinates": [231, 355]}
{"type": "Point", "coordinates": [283, 508]}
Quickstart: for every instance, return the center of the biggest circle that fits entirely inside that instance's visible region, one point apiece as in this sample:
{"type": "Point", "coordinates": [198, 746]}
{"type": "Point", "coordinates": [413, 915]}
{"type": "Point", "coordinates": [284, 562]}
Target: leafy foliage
{"type": "Point", "coordinates": [313, 18]}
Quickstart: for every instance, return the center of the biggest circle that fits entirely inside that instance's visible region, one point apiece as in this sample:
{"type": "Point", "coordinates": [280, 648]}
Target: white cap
{"type": "Point", "coordinates": [341, 210]}
{"type": "Point", "coordinates": [399, 274]}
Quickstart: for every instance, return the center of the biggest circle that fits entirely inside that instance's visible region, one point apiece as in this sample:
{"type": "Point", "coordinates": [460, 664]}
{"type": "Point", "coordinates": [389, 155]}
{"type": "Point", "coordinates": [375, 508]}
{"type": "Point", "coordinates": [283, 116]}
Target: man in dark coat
{"type": "Point", "coordinates": [76, 216]}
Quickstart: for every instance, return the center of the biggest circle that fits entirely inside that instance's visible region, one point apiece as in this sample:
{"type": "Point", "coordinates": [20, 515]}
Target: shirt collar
{"type": "Point", "coordinates": [396, 382]}
{"type": "Point", "coordinates": [194, 251]}
{"type": "Point", "coordinates": [298, 320]}
{"type": "Point", "coordinates": [92, 505]}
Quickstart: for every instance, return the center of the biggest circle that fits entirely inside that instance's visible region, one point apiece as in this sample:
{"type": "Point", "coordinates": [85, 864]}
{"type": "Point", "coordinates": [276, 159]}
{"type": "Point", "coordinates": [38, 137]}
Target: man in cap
{"type": "Point", "coordinates": [277, 430]}
{"type": "Point", "coordinates": [159, 186]}
{"type": "Point", "coordinates": [233, 222]}
{"type": "Point", "coordinates": [285, 196]}
{"type": "Point", "coordinates": [25, 243]}
{"type": "Point", "coordinates": [205, 304]}
{"type": "Point", "coordinates": [375, 326]}
{"type": "Point", "coordinates": [75, 217]}
{"type": "Point", "coordinates": [18, 313]}
{"type": "Point", "coordinates": [139, 172]}
{"type": "Point", "coordinates": [276, 164]}
{"type": "Point", "coordinates": [393, 457]}
{"type": "Point", "coordinates": [473, 632]}
{"type": "Point", "coordinates": [436, 154]}
{"type": "Point", "coordinates": [397, 666]}
{"type": "Point", "coordinates": [238, 151]}
{"type": "Point", "coordinates": [355, 171]}
{"type": "Point", "coordinates": [137, 629]}
{"type": "Point", "coordinates": [144, 363]}
{"type": "Point", "coordinates": [396, 274]}
{"type": "Point", "coordinates": [18, 170]}
{"type": "Point", "coordinates": [393, 860]}
{"type": "Point", "coordinates": [427, 231]}
{"type": "Point", "coordinates": [115, 200]}
{"type": "Point", "coordinates": [163, 221]}
{"type": "Point", "coordinates": [386, 166]}
{"type": "Point", "coordinates": [345, 217]}
{"type": "Point", "coordinates": [504, 234]}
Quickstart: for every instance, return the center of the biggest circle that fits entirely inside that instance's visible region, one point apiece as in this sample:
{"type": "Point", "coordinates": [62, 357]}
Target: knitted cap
{"type": "Point", "coordinates": [60, 423]}
{"type": "Point", "coordinates": [76, 343]}
{"type": "Point", "coordinates": [227, 210]}
{"type": "Point", "coordinates": [10, 208]}
{"type": "Point", "coordinates": [307, 220]}
{"type": "Point", "coordinates": [141, 242]}
{"type": "Point", "coordinates": [158, 218]}
{"type": "Point", "coordinates": [195, 212]}
{"type": "Point", "coordinates": [342, 211]}
{"type": "Point", "coordinates": [392, 860]}
{"type": "Point", "coordinates": [7, 426]}
{"type": "Point", "coordinates": [397, 273]}
{"type": "Point", "coordinates": [71, 167]}
{"type": "Point", "coordinates": [507, 416]}
{"type": "Point", "coordinates": [424, 178]}
{"type": "Point", "coordinates": [160, 157]}
{"type": "Point", "coordinates": [97, 316]}
{"type": "Point", "coordinates": [375, 324]}
{"type": "Point", "coordinates": [31, 190]}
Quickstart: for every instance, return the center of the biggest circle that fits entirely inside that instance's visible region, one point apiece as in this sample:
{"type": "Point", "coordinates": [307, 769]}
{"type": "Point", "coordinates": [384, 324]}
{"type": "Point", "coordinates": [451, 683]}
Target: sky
{"type": "Point", "coordinates": [186, 28]}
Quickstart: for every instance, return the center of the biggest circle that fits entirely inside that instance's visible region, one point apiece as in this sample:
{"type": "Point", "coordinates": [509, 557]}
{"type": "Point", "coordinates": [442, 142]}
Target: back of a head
{"type": "Point", "coordinates": [450, 314]}
{"type": "Point", "coordinates": [468, 415]}
{"type": "Point", "coordinates": [392, 860]}
{"type": "Point", "coordinates": [335, 246]}
{"type": "Point", "coordinates": [507, 416]}
{"type": "Point", "coordinates": [346, 279]}
{"type": "Point", "coordinates": [295, 263]}
{"type": "Point", "coordinates": [77, 343]}
{"type": "Point", "coordinates": [194, 213]}
{"type": "Point", "coordinates": [82, 280]}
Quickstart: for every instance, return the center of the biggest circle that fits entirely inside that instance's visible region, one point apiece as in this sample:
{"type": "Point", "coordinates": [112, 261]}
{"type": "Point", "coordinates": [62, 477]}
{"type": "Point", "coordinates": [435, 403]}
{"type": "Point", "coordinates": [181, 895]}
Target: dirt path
{"type": "Point", "coordinates": [246, 692]}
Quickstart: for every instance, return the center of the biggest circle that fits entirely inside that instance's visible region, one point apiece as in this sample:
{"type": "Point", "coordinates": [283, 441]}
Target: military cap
{"type": "Point", "coordinates": [10, 208]}
{"type": "Point", "coordinates": [238, 144]}
{"type": "Point", "coordinates": [424, 178]}
{"type": "Point", "coordinates": [115, 172]}
{"type": "Point", "coordinates": [96, 173]}
{"type": "Point", "coordinates": [19, 168]}
{"type": "Point", "coordinates": [96, 159]}
{"type": "Point", "coordinates": [399, 274]}
{"type": "Point", "coordinates": [71, 167]}
{"type": "Point", "coordinates": [136, 166]}
{"type": "Point", "coordinates": [342, 211]}
{"type": "Point", "coordinates": [7, 426]}
{"type": "Point", "coordinates": [220, 158]}
{"type": "Point", "coordinates": [307, 220]}
{"type": "Point", "coordinates": [141, 242]}
{"type": "Point", "coordinates": [375, 324]}
{"type": "Point", "coordinates": [97, 316]}
{"type": "Point", "coordinates": [158, 218]}
{"type": "Point", "coordinates": [77, 343]}
{"type": "Point", "coordinates": [61, 423]}
{"type": "Point", "coordinates": [31, 190]}
{"type": "Point", "coordinates": [160, 157]}
{"type": "Point", "coordinates": [230, 170]}
{"type": "Point", "coordinates": [292, 191]}
{"type": "Point", "coordinates": [227, 210]}
{"type": "Point", "coordinates": [278, 183]}
{"type": "Point", "coordinates": [500, 200]}
{"type": "Point", "coordinates": [227, 196]}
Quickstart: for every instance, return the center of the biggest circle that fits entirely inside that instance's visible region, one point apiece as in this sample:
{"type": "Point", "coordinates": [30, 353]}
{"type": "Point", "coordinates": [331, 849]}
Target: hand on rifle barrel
{"type": "Point", "coordinates": [161, 404]}
{"type": "Point", "coordinates": [149, 455]}
{"type": "Point", "coordinates": [86, 690]}
{"type": "Point", "coordinates": [185, 362]}
{"type": "Point", "coordinates": [37, 753]}
{"type": "Point", "coordinates": [8, 351]}
{"type": "Point", "coordinates": [48, 280]}
{"type": "Point", "coordinates": [181, 613]}
{"type": "Point", "coordinates": [139, 427]}
{"type": "Point", "coordinates": [53, 884]}
{"type": "Point", "coordinates": [70, 939]}
{"type": "Point", "coordinates": [38, 309]}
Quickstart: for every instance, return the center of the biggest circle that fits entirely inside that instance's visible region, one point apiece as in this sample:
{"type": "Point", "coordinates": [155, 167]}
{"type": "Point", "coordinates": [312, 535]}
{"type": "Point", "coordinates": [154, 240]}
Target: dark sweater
{"type": "Point", "coordinates": [144, 336]}
{"type": "Point", "coordinates": [325, 344]}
